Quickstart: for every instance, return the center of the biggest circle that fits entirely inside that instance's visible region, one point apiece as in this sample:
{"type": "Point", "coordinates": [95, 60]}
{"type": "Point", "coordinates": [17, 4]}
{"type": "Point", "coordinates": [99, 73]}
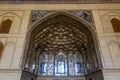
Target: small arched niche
{"type": "Point", "coordinates": [116, 24]}
{"type": "Point", "coordinates": [68, 39]}
{"type": "Point", "coordinates": [5, 26]}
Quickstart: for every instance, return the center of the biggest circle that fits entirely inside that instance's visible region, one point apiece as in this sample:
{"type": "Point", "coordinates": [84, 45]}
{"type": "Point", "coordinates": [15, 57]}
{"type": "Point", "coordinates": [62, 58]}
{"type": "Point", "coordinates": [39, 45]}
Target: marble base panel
{"type": "Point", "coordinates": [111, 74]}
{"type": "Point", "coordinates": [7, 74]}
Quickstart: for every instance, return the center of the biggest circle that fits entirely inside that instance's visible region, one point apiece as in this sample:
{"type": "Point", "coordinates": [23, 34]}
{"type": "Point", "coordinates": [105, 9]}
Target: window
{"type": "Point", "coordinates": [60, 64]}
{"type": "Point", "coordinates": [50, 64]}
{"type": "Point", "coordinates": [43, 67]}
{"type": "Point", "coordinates": [5, 26]}
{"type": "Point", "coordinates": [43, 63]}
{"type": "Point", "coordinates": [78, 63]}
{"type": "Point", "coordinates": [71, 65]}
{"type": "Point", "coordinates": [116, 24]}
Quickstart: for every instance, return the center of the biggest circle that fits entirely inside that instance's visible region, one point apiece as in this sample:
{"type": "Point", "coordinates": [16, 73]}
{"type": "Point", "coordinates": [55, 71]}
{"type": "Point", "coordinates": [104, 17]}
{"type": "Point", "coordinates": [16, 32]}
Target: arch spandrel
{"type": "Point", "coordinates": [57, 13]}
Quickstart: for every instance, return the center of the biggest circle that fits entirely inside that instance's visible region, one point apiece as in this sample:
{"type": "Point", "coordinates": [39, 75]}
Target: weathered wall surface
{"type": "Point", "coordinates": [108, 42]}
{"type": "Point", "coordinates": [14, 42]}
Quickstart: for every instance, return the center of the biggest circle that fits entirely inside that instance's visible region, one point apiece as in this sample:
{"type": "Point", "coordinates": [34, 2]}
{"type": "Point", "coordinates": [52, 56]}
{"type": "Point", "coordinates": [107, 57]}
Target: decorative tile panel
{"type": "Point", "coordinates": [84, 14]}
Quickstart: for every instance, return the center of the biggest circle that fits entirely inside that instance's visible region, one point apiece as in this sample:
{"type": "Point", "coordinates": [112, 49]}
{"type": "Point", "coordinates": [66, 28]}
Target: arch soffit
{"type": "Point", "coordinates": [51, 15]}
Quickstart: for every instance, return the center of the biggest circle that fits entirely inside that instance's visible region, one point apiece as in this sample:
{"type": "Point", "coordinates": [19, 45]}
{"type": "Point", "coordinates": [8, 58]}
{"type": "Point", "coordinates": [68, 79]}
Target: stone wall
{"type": "Point", "coordinates": [109, 42]}
{"type": "Point", "coordinates": [14, 42]}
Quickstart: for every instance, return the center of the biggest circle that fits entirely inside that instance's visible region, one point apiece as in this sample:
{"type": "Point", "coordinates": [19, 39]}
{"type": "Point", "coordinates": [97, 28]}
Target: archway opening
{"type": "Point", "coordinates": [61, 46]}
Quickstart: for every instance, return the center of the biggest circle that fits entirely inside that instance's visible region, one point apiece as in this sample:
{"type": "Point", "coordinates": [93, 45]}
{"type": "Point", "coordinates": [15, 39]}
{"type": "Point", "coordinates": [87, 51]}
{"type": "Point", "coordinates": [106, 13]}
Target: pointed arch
{"type": "Point", "coordinates": [12, 14]}
{"type": "Point", "coordinates": [38, 24]}
{"type": "Point", "coordinates": [110, 13]}
{"type": "Point", "coordinates": [76, 34]}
